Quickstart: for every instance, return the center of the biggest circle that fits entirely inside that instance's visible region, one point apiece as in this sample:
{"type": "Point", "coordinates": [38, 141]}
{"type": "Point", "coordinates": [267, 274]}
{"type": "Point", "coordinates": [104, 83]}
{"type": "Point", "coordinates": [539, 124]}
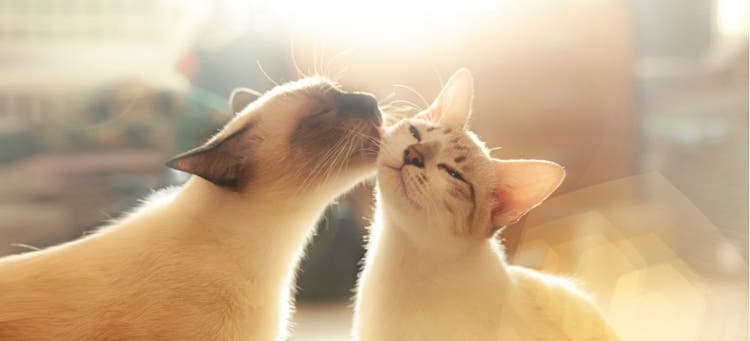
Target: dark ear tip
{"type": "Point", "coordinates": [170, 163]}
{"type": "Point", "coordinates": [174, 162]}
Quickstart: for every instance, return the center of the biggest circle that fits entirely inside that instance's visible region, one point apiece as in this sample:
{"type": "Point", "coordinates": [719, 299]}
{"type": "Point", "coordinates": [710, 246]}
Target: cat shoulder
{"type": "Point", "coordinates": [561, 302]}
{"type": "Point", "coordinates": [153, 202]}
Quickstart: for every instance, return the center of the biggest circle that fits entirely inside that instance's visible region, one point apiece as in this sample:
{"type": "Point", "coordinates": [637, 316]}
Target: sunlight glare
{"type": "Point", "coordinates": [385, 20]}
{"type": "Point", "coordinates": [733, 17]}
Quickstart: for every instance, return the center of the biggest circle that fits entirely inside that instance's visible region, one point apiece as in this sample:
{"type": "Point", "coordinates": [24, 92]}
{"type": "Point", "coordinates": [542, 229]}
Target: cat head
{"type": "Point", "coordinates": [303, 135]}
{"type": "Point", "coordinates": [437, 176]}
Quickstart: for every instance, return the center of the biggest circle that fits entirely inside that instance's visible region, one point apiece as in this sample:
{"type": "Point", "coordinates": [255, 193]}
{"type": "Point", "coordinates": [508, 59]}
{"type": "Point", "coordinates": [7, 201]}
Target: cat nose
{"type": "Point", "coordinates": [413, 157]}
{"type": "Point", "coordinates": [359, 102]}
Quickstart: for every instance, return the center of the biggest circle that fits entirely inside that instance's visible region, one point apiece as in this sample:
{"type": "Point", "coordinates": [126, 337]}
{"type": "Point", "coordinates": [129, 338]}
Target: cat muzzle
{"type": "Point", "coordinates": [413, 157]}
{"type": "Point", "coordinates": [361, 104]}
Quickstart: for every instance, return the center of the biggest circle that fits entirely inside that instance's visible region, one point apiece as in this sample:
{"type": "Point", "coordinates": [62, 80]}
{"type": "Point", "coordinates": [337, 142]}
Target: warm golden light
{"type": "Point", "coordinates": [644, 103]}
{"type": "Point", "coordinates": [389, 20]}
{"type": "Point", "coordinates": [732, 16]}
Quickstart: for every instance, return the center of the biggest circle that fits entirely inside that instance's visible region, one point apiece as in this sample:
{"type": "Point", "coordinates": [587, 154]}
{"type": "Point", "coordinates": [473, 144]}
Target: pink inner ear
{"type": "Point", "coordinates": [453, 104]}
{"type": "Point", "coordinates": [432, 113]}
{"type": "Point", "coordinates": [499, 205]}
{"type": "Point", "coordinates": [521, 186]}
{"type": "Point", "coordinates": [506, 209]}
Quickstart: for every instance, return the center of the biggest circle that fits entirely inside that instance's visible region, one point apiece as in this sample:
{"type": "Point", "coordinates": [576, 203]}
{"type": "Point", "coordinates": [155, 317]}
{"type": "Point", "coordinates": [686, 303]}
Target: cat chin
{"type": "Point", "coordinates": [391, 183]}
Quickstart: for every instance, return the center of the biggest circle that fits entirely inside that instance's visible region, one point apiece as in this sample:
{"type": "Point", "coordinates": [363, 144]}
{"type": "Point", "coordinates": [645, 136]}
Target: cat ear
{"type": "Point", "coordinates": [221, 161]}
{"type": "Point", "coordinates": [453, 104]}
{"type": "Point", "coordinates": [241, 98]}
{"type": "Point", "coordinates": [520, 186]}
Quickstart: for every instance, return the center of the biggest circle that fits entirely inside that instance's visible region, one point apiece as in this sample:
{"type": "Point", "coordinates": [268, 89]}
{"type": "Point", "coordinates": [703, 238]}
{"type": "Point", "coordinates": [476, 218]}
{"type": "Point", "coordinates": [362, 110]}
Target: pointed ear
{"type": "Point", "coordinates": [222, 161]}
{"type": "Point", "coordinates": [241, 98]}
{"type": "Point", "coordinates": [520, 186]}
{"type": "Point", "coordinates": [453, 104]}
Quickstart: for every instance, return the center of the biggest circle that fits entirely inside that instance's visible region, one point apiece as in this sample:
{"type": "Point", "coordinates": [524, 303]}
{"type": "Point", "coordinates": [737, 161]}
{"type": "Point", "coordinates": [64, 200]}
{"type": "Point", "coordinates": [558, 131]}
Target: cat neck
{"type": "Point", "coordinates": [246, 226]}
{"type": "Point", "coordinates": [201, 199]}
{"type": "Point", "coordinates": [476, 258]}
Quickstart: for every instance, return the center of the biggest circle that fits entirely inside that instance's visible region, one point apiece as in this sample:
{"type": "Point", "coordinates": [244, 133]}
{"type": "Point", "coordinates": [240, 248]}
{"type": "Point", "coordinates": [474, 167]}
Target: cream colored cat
{"type": "Point", "coordinates": [434, 270]}
{"type": "Point", "coordinates": [214, 259]}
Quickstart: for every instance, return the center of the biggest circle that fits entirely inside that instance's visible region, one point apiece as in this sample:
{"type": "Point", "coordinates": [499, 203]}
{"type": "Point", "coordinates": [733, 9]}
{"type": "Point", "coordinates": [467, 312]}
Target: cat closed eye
{"type": "Point", "coordinates": [320, 112]}
{"type": "Point", "coordinates": [452, 172]}
{"type": "Point", "coordinates": [415, 133]}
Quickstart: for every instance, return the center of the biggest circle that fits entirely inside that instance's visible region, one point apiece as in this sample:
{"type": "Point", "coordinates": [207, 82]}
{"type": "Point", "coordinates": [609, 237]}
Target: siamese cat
{"type": "Point", "coordinates": [434, 270]}
{"type": "Point", "coordinates": [213, 259]}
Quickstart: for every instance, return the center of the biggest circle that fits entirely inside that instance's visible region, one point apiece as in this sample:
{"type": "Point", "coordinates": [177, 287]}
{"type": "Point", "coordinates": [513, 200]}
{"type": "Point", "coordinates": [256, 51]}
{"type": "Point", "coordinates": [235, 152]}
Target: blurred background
{"type": "Point", "coordinates": [644, 102]}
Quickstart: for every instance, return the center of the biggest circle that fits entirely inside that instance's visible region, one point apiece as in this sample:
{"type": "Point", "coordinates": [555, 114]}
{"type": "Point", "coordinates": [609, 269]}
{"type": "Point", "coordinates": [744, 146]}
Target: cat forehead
{"type": "Point", "coordinates": [314, 87]}
{"type": "Point", "coordinates": [451, 138]}
{"type": "Point", "coordinates": [460, 148]}
{"type": "Point", "coordinates": [290, 98]}
{"type": "Point", "coordinates": [303, 93]}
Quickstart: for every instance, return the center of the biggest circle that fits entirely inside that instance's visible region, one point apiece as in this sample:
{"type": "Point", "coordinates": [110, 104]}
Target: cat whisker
{"type": "Point", "coordinates": [26, 246]}
{"type": "Point", "coordinates": [437, 74]}
{"type": "Point", "coordinates": [387, 97]}
{"type": "Point", "coordinates": [335, 163]}
{"type": "Point", "coordinates": [357, 131]}
{"type": "Point", "coordinates": [396, 115]}
{"type": "Point", "coordinates": [399, 111]}
{"type": "Point", "coordinates": [321, 58]}
{"type": "Point", "coordinates": [389, 152]}
{"type": "Point", "coordinates": [404, 105]}
{"type": "Point", "coordinates": [329, 66]}
{"type": "Point", "coordinates": [341, 73]}
{"type": "Point", "coordinates": [263, 71]}
{"type": "Point", "coordinates": [408, 193]}
{"type": "Point", "coordinates": [346, 153]}
{"type": "Point", "coordinates": [294, 60]}
{"type": "Point", "coordinates": [313, 174]}
{"type": "Point", "coordinates": [407, 102]}
{"type": "Point", "coordinates": [414, 91]}
{"type": "Point", "coordinates": [422, 190]}
{"type": "Point", "coordinates": [491, 150]}
{"type": "Point", "coordinates": [315, 60]}
{"type": "Point", "coordinates": [335, 166]}
{"type": "Point", "coordinates": [331, 62]}
{"type": "Point", "coordinates": [424, 203]}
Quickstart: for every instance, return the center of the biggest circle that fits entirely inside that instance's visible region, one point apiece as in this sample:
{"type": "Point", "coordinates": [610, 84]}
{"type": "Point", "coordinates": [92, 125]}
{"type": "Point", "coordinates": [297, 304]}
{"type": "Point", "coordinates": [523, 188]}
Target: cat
{"type": "Point", "coordinates": [433, 269]}
{"type": "Point", "coordinates": [213, 259]}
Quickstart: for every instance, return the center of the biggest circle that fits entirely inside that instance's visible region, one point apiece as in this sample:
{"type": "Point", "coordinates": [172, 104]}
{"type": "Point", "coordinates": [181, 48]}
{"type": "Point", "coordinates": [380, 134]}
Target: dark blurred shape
{"type": "Point", "coordinates": [329, 269]}
{"type": "Point", "coordinates": [110, 153]}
